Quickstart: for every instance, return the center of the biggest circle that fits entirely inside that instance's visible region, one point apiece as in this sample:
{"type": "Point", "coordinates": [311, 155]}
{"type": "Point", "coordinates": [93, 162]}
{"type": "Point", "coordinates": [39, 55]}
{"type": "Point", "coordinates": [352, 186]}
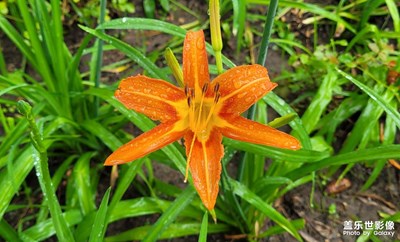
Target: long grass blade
{"type": "Point", "coordinates": [394, 114]}
{"type": "Point", "coordinates": [83, 183]}
{"type": "Point", "coordinates": [276, 153]}
{"type": "Point", "coordinates": [100, 221]}
{"type": "Point", "coordinates": [265, 208]}
{"type": "Point", "coordinates": [170, 214]}
{"type": "Point", "coordinates": [130, 51]}
{"type": "Point", "coordinates": [381, 152]}
{"type": "Point", "coordinates": [203, 228]}
{"type": "Point", "coordinates": [174, 230]}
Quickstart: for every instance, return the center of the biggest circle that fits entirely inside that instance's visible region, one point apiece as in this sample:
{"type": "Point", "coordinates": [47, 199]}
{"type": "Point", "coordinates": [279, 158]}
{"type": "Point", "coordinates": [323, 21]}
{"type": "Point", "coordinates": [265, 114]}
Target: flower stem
{"type": "Point", "coordinates": [42, 171]}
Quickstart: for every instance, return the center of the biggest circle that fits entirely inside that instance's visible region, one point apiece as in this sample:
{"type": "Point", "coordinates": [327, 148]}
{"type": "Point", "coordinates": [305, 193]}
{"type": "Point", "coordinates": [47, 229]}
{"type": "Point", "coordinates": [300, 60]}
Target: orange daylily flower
{"type": "Point", "coordinates": [201, 112]}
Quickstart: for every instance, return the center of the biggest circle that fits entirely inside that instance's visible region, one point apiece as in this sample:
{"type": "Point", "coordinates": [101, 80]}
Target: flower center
{"type": "Point", "coordinates": [201, 110]}
{"type": "Point", "coordinates": [201, 106]}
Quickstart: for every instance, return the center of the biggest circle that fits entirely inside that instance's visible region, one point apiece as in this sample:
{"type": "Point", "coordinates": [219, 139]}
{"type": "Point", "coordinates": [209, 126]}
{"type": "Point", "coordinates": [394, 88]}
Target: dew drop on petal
{"type": "Point", "coordinates": [249, 99]}
{"type": "Point", "coordinates": [200, 44]}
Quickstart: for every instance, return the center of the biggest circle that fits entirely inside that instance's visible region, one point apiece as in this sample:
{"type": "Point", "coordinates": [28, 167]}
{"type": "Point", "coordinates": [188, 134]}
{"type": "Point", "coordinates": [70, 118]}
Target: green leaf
{"type": "Point", "coordinates": [320, 101]}
{"type": "Point", "coordinates": [296, 156]}
{"type": "Point", "coordinates": [100, 223]}
{"type": "Point", "coordinates": [394, 114]}
{"type": "Point", "coordinates": [130, 51]}
{"type": "Point", "coordinates": [157, 25]}
{"type": "Point", "coordinates": [102, 133]}
{"type": "Point", "coordinates": [173, 231]}
{"type": "Point", "coordinates": [149, 7]}
{"type": "Point", "coordinates": [170, 214]}
{"type": "Point", "coordinates": [264, 207]}
{"type": "Point", "coordinates": [376, 153]}
{"type": "Point", "coordinates": [7, 232]}
{"type": "Point", "coordinates": [144, 24]}
{"type": "Point", "coordinates": [45, 229]}
{"type": "Point", "coordinates": [82, 183]}
{"type": "Point", "coordinates": [203, 228]}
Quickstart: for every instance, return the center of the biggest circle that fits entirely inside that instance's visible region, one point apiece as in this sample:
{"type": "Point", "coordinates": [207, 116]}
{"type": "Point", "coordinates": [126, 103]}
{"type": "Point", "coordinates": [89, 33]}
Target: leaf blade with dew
{"type": "Point", "coordinates": [82, 183]}
{"type": "Point", "coordinates": [374, 96]}
{"type": "Point", "coordinates": [100, 221]}
{"type": "Point", "coordinates": [265, 208]}
{"type": "Point", "coordinates": [175, 230]}
{"type": "Point", "coordinates": [157, 25]}
{"type": "Point", "coordinates": [277, 153]}
{"type": "Point", "coordinates": [44, 230]}
{"type": "Point", "coordinates": [320, 101]}
{"type": "Point", "coordinates": [170, 214]}
{"type": "Point", "coordinates": [96, 129]}
{"type": "Point", "coordinates": [380, 152]}
{"type": "Point", "coordinates": [130, 51]}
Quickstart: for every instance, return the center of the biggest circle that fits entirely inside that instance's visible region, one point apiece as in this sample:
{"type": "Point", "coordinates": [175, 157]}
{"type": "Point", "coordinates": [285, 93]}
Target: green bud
{"type": "Point", "coordinates": [24, 108]}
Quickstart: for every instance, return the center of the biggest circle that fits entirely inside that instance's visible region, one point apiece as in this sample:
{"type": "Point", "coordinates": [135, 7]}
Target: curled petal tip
{"type": "Point", "coordinates": [111, 162]}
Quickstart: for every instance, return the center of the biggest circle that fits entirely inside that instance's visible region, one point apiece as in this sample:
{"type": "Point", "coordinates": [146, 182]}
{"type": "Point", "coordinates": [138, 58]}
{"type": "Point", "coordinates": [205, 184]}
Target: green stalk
{"type": "Point", "coordinates": [262, 54]}
{"type": "Point", "coordinates": [42, 171]}
{"type": "Point", "coordinates": [98, 57]}
{"type": "Point", "coordinates": [215, 28]}
{"type": "Point", "coordinates": [36, 45]}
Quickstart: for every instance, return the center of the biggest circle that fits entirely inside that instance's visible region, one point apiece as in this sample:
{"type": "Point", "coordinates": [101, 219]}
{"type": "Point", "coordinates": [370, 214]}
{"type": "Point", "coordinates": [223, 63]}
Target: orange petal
{"type": "Point", "coordinates": [205, 166]}
{"type": "Point", "coordinates": [241, 87]}
{"type": "Point", "coordinates": [155, 98]}
{"type": "Point", "coordinates": [195, 62]}
{"type": "Point", "coordinates": [242, 129]}
{"type": "Point", "coordinates": [146, 143]}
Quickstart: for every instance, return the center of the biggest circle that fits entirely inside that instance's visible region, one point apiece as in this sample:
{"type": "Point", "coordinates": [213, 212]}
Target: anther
{"type": "Point", "coordinates": [205, 87]}
{"type": "Point", "coordinates": [189, 101]}
{"type": "Point", "coordinates": [186, 90]}
{"type": "Point", "coordinates": [191, 93]}
{"type": "Point", "coordinates": [216, 88]}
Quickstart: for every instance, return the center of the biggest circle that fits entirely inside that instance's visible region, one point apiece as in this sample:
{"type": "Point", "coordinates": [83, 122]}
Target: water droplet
{"type": "Point", "coordinates": [124, 19]}
{"type": "Point", "coordinates": [242, 94]}
{"type": "Point", "coordinates": [200, 44]}
{"type": "Point", "coordinates": [237, 84]}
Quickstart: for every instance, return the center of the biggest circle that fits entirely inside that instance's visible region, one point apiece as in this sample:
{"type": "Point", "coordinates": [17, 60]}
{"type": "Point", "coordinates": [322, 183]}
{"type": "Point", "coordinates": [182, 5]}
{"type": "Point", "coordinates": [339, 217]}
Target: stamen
{"type": "Point", "coordinates": [188, 159]}
{"type": "Point", "coordinates": [189, 101]}
{"type": "Point", "coordinates": [203, 145]}
{"type": "Point", "coordinates": [196, 129]}
{"type": "Point", "coordinates": [216, 98]}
